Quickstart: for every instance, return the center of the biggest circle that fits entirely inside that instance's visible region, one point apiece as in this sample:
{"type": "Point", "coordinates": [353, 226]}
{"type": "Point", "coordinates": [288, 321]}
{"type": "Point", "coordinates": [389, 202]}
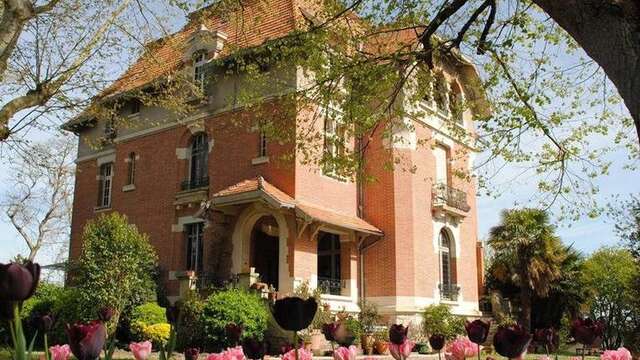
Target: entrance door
{"type": "Point", "coordinates": [265, 255]}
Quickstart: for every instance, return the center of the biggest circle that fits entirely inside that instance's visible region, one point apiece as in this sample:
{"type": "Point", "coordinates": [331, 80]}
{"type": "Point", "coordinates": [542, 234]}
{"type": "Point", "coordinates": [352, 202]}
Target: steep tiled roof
{"type": "Point", "coordinates": [256, 184]}
{"type": "Point", "coordinates": [304, 209]}
{"type": "Point", "coordinates": [256, 22]}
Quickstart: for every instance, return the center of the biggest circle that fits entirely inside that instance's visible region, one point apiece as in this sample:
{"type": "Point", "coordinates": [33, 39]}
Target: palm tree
{"type": "Point", "coordinates": [528, 253]}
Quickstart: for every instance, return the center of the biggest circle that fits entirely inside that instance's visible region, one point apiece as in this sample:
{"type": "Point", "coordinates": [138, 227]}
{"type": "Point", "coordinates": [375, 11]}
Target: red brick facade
{"type": "Point", "coordinates": [399, 270]}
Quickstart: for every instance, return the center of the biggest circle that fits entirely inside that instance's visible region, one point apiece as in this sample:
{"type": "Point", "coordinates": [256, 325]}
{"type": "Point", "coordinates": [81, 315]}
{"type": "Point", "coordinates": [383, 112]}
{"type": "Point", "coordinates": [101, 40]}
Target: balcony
{"type": "Point", "coordinates": [449, 292]}
{"type": "Point", "coordinates": [451, 200]}
{"type": "Point", "coordinates": [196, 183]}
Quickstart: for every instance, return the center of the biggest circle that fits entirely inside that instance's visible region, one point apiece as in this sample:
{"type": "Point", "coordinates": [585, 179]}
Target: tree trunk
{"type": "Point", "coordinates": [609, 32]}
{"type": "Point", "coordinates": [525, 306]}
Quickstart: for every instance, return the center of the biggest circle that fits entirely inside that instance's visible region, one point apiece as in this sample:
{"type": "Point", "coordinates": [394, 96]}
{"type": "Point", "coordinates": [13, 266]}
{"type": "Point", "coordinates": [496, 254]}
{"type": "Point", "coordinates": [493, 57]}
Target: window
{"type": "Point", "coordinates": [104, 188]}
{"type": "Point", "coordinates": [194, 234]}
{"type": "Point", "coordinates": [135, 106]}
{"type": "Point", "coordinates": [441, 155]}
{"type": "Point", "coordinates": [440, 93]}
{"type": "Point", "coordinates": [110, 129]}
{"type": "Point", "coordinates": [198, 164]}
{"type": "Point", "coordinates": [131, 170]}
{"type": "Point", "coordinates": [334, 142]}
{"type": "Point", "coordinates": [329, 280]}
{"type": "Point", "coordinates": [262, 144]}
{"type": "Point", "coordinates": [455, 103]}
{"type": "Point", "coordinates": [199, 62]}
{"type": "Point", "coordinates": [445, 259]}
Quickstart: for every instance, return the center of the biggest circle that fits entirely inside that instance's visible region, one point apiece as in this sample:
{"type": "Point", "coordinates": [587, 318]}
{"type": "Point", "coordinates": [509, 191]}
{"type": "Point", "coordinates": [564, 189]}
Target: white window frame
{"type": "Point", "coordinates": [195, 257]}
{"type": "Point", "coordinates": [105, 185]}
{"type": "Point", "coordinates": [334, 137]}
{"type": "Point", "coordinates": [199, 62]}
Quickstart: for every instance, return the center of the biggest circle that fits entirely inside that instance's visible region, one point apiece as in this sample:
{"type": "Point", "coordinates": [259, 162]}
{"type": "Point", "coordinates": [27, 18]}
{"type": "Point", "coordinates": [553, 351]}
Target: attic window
{"type": "Point", "coordinates": [199, 62]}
{"type": "Point", "coordinates": [440, 93]}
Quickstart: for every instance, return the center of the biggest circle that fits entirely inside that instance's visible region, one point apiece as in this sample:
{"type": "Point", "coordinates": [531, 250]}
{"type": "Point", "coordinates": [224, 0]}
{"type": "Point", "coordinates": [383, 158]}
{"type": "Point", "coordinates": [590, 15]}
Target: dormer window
{"type": "Point", "coordinates": [199, 62]}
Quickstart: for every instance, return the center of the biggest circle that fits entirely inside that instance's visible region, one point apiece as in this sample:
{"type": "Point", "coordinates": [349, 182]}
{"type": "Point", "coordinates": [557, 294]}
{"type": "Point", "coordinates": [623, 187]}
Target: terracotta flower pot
{"type": "Point", "coordinates": [381, 347]}
{"type": "Point", "coordinates": [367, 342]}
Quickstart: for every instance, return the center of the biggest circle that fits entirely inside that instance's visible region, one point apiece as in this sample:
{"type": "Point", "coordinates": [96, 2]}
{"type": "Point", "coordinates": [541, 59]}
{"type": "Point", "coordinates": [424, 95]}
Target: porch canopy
{"type": "Point", "coordinates": [258, 189]}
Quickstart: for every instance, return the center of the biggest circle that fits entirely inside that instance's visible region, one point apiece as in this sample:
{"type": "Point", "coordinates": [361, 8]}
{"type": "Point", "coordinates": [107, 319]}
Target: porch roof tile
{"type": "Point", "coordinates": [260, 187]}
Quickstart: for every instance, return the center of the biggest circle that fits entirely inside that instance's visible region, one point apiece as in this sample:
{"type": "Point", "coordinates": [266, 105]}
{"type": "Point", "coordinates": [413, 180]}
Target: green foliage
{"type": "Point", "coordinates": [609, 276]}
{"type": "Point", "coordinates": [369, 316]}
{"type": "Point", "coordinates": [43, 302]}
{"type": "Point", "coordinates": [438, 319]}
{"type": "Point", "coordinates": [354, 327]}
{"type": "Point", "coordinates": [528, 254]}
{"type": "Point", "coordinates": [115, 268]}
{"type": "Point", "coordinates": [157, 333]}
{"type": "Point", "coordinates": [237, 306]}
{"type": "Point", "coordinates": [190, 330]}
{"type": "Point", "coordinates": [144, 316]}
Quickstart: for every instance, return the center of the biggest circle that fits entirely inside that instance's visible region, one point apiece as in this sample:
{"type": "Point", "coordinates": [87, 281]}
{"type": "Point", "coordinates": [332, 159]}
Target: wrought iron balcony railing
{"type": "Point", "coordinates": [442, 194]}
{"type": "Point", "coordinates": [449, 292]}
{"type": "Point", "coordinates": [330, 286]}
{"type": "Point", "coordinates": [195, 183]}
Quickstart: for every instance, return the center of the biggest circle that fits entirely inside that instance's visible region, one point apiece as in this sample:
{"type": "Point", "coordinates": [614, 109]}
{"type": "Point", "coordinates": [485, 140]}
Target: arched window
{"type": "Point", "coordinates": [455, 103]}
{"type": "Point", "coordinates": [199, 62]}
{"type": "Point", "coordinates": [198, 174]}
{"type": "Point", "coordinates": [445, 258]}
{"type": "Point", "coordinates": [131, 169]}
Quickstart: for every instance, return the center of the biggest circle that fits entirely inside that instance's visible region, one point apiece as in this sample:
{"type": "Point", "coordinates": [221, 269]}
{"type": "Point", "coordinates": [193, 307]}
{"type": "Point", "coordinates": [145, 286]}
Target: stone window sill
{"type": "Point", "coordinates": [260, 160]}
{"type": "Point", "coordinates": [129, 187]}
{"type": "Point", "coordinates": [102, 208]}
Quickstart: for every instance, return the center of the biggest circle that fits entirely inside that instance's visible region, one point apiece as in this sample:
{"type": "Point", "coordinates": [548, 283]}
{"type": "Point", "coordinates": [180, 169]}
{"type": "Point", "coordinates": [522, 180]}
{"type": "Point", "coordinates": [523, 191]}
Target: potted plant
{"type": "Point", "coordinates": [381, 343]}
{"type": "Point", "coordinates": [369, 318]}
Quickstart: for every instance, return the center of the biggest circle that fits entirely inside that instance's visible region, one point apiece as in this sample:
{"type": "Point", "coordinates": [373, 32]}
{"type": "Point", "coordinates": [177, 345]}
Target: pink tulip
{"type": "Point", "coordinates": [60, 352]}
{"type": "Point", "coordinates": [303, 354]}
{"type": "Point", "coordinates": [462, 348]}
{"type": "Point", "coordinates": [141, 350]}
{"type": "Point", "coordinates": [345, 353]}
{"type": "Point", "coordinates": [235, 353]}
{"type": "Point", "coordinates": [544, 357]}
{"type": "Point", "coordinates": [402, 351]}
{"type": "Point", "coordinates": [620, 354]}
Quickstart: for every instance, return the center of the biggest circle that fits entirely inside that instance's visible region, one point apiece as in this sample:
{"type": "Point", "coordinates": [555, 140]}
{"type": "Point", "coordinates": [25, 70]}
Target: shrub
{"type": "Point", "coordinates": [116, 266]}
{"type": "Point", "coordinates": [43, 302]}
{"type": "Point", "coordinates": [237, 306]}
{"type": "Point", "coordinates": [143, 316]}
{"type": "Point", "coordinates": [190, 329]}
{"type": "Point", "coordinates": [158, 333]}
{"type": "Point", "coordinates": [437, 319]}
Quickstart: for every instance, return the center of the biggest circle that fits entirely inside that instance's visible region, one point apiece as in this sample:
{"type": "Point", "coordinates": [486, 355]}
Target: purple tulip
{"type": "Point", "coordinates": [45, 322]}
{"type": "Point", "coordinates": [329, 331]}
{"type": "Point", "coordinates": [586, 331]}
{"type": "Point", "coordinates": [106, 313]}
{"type": "Point", "coordinates": [87, 340]}
{"type": "Point", "coordinates": [398, 334]}
{"type": "Point", "coordinates": [233, 332]}
{"type": "Point", "coordinates": [477, 330]}
{"type": "Point", "coordinates": [294, 314]}
{"type": "Point", "coordinates": [173, 314]}
{"type": "Point", "coordinates": [18, 282]}
{"type": "Point", "coordinates": [547, 337]}
{"type": "Point", "coordinates": [511, 341]}
{"type": "Point", "coordinates": [436, 341]}
{"type": "Point", "coordinates": [191, 353]}
{"type": "Point", "coordinates": [253, 349]}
